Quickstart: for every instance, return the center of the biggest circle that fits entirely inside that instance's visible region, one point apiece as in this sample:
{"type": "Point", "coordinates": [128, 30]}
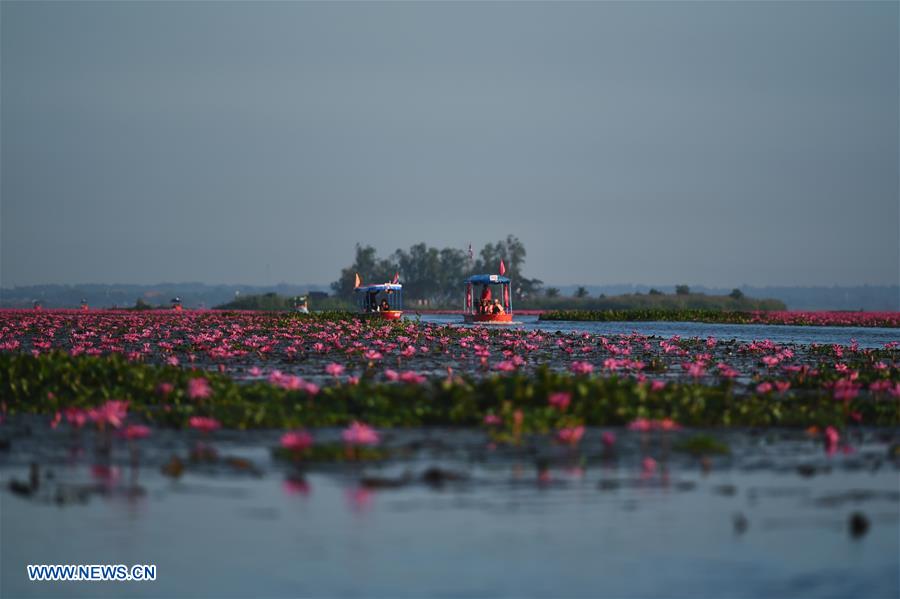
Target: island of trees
{"type": "Point", "coordinates": [432, 278]}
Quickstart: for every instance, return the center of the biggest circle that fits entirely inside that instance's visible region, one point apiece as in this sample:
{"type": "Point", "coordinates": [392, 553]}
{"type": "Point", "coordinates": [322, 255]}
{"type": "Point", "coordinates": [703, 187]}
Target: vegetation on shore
{"type": "Point", "coordinates": [272, 302]}
{"type": "Point", "coordinates": [776, 317]}
{"type": "Point", "coordinates": [656, 302]}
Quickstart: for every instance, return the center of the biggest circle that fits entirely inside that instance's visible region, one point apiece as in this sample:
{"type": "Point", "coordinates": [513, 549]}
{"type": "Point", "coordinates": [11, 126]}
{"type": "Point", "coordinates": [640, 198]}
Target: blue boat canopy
{"type": "Point", "coordinates": [379, 287]}
{"type": "Point", "coordinates": [487, 279]}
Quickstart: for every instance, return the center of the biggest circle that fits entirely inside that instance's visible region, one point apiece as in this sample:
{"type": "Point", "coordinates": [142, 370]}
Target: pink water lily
{"type": "Point", "coordinates": [76, 417]}
{"type": "Point", "coordinates": [359, 433]}
{"type": "Point", "coordinates": [334, 369]}
{"type": "Point", "coordinates": [136, 431]}
{"type": "Point", "coordinates": [412, 378]}
{"type": "Point", "coordinates": [560, 400]}
{"type": "Point", "coordinates": [492, 420]}
{"type": "Point", "coordinates": [832, 438]}
{"type": "Point", "coordinates": [204, 424]}
{"type": "Point", "coordinates": [641, 425]}
{"type": "Point", "coordinates": [581, 367]}
{"type": "Point", "coordinates": [764, 387]}
{"type": "Point", "coordinates": [296, 441]}
{"type": "Point", "coordinates": [113, 413]}
{"type": "Point", "coordinates": [198, 388]}
{"type": "Point", "coordinates": [570, 435]}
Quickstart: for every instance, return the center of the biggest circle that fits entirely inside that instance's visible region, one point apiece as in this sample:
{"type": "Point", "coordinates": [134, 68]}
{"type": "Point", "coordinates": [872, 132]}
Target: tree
{"type": "Point", "coordinates": [552, 292]}
{"type": "Point", "coordinates": [512, 252]}
{"type": "Point", "coordinates": [682, 290]}
{"type": "Point", "coordinates": [420, 270]}
{"type": "Point", "coordinates": [581, 292]}
{"type": "Point", "coordinates": [437, 274]}
{"type": "Point", "coordinates": [654, 292]}
{"type": "Point", "coordinates": [370, 269]}
{"type": "Point", "coordinates": [736, 294]}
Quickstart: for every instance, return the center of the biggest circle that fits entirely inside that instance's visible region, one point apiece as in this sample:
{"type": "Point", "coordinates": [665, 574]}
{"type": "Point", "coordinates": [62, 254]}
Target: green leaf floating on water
{"type": "Point", "coordinates": [700, 445]}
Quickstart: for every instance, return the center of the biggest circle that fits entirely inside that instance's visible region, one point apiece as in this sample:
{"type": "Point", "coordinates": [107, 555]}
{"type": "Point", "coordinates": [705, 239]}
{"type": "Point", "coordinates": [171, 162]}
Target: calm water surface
{"type": "Point", "coordinates": [771, 520]}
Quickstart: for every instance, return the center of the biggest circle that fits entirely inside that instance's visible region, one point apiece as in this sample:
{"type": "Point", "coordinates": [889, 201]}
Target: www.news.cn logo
{"type": "Point", "coordinates": [95, 572]}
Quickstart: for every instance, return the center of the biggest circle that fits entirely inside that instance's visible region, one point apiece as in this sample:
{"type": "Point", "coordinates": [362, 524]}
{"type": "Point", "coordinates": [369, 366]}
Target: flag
{"type": "Point", "coordinates": [502, 268]}
{"type": "Point", "coordinates": [396, 278]}
{"type": "Point", "coordinates": [357, 282]}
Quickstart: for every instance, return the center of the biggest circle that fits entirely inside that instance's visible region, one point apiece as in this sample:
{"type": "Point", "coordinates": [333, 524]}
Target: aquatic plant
{"type": "Point", "coordinates": [244, 370]}
{"type": "Point", "coordinates": [51, 383]}
{"type": "Point", "coordinates": [702, 445]}
{"type": "Point", "coordinates": [775, 317]}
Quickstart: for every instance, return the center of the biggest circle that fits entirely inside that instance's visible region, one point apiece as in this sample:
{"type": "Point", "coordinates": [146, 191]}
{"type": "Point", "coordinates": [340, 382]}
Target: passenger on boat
{"type": "Point", "coordinates": [498, 307]}
{"type": "Point", "coordinates": [371, 301]}
{"type": "Point", "coordinates": [385, 306]}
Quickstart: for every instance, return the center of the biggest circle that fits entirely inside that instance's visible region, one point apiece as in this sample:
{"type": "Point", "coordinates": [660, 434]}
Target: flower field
{"type": "Point", "coordinates": [246, 370]}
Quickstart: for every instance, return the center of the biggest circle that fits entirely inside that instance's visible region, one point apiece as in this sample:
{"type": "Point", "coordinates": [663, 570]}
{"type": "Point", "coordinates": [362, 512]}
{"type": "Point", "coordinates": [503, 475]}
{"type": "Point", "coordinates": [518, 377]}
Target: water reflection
{"type": "Point", "coordinates": [587, 517]}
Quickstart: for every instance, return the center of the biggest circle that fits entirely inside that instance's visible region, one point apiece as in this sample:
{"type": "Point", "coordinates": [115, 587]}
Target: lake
{"type": "Point", "coordinates": [772, 519]}
{"type": "Point", "coordinates": [450, 513]}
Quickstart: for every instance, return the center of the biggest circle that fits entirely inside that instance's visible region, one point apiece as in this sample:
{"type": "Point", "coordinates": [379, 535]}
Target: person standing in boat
{"type": "Point", "coordinates": [485, 298]}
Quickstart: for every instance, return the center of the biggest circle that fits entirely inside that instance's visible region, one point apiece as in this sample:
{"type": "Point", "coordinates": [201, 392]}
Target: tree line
{"type": "Point", "coordinates": [437, 275]}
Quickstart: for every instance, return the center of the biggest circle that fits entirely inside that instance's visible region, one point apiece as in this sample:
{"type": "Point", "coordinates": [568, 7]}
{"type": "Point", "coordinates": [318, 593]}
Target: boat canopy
{"type": "Point", "coordinates": [488, 280]}
{"type": "Point", "coordinates": [483, 304]}
{"type": "Point", "coordinates": [367, 297]}
{"type": "Point", "coordinates": [380, 287]}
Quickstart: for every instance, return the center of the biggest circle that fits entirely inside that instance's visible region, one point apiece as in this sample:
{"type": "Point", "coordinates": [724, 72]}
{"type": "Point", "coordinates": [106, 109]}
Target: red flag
{"type": "Point", "coordinates": [502, 268]}
{"type": "Point", "coordinates": [396, 278]}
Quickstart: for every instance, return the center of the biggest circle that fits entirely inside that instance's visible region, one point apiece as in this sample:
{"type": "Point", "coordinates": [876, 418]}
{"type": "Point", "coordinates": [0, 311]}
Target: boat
{"type": "Point", "coordinates": [483, 309]}
{"type": "Point", "coordinates": [384, 300]}
{"type": "Point", "coordinates": [301, 304]}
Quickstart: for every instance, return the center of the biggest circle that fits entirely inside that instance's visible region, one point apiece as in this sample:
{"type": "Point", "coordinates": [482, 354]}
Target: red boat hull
{"type": "Point", "coordinates": [385, 315]}
{"type": "Point", "coordinates": [488, 318]}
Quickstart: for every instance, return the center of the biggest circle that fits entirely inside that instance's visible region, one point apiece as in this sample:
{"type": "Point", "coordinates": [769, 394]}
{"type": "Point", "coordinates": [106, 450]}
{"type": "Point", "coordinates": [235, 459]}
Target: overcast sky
{"type": "Point", "coordinates": [708, 143]}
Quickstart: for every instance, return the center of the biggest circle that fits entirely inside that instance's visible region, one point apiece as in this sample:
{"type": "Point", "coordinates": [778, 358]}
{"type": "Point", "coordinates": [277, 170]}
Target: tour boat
{"type": "Point", "coordinates": [301, 305]}
{"type": "Point", "coordinates": [481, 309]}
{"type": "Point", "coordinates": [384, 300]}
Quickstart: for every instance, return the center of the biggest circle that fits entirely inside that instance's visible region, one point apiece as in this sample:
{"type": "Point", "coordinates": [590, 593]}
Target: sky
{"type": "Point", "coordinates": [707, 143]}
